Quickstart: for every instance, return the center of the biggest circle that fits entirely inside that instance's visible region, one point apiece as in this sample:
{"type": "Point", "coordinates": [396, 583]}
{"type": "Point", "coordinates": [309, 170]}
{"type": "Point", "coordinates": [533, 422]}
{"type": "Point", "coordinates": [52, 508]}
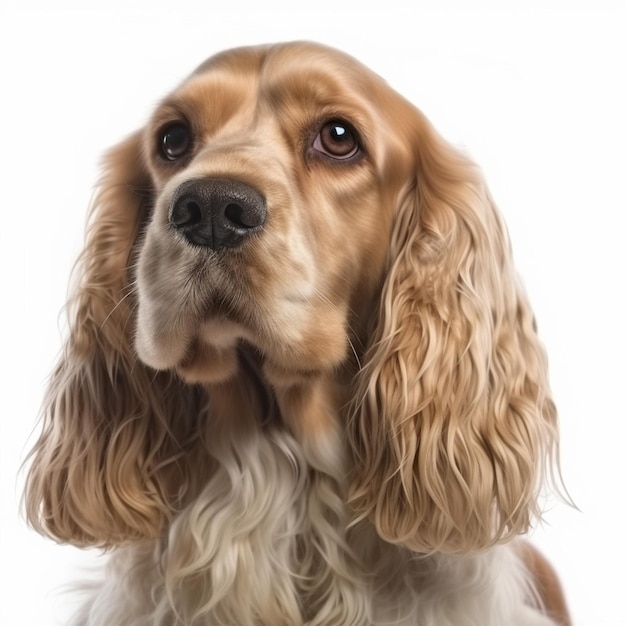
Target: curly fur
{"type": "Point", "coordinates": [455, 411]}
{"type": "Point", "coordinates": [343, 421]}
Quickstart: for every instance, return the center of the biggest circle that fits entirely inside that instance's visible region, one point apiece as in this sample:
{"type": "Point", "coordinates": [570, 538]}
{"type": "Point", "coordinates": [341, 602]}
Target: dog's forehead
{"type": "Point", "coordinates": [247, 59]}
{"type": "Point", "coordinates": [293, 65]}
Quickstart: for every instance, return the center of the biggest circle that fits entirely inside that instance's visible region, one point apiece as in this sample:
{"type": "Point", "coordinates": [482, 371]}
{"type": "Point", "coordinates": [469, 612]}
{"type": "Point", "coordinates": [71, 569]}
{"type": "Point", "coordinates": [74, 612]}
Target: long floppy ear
{"type": "Point", "coordinates": [114, 433]}
{"type": "Point", "coordinates": [453, 419]}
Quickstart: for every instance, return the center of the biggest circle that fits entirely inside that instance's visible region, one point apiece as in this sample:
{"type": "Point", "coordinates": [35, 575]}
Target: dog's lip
{"type": "Point", "coordinates": [161, 347]}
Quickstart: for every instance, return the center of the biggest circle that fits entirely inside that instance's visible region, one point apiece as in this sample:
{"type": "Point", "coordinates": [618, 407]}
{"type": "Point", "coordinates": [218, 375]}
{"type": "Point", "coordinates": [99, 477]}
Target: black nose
{"type": "Point", "coordinates": [217, 213]}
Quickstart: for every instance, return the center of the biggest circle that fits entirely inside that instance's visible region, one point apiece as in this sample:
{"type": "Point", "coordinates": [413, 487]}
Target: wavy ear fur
{"type": "Point", "coordinates": [454, 418]}
{"type": "Point", "coordinates": [115, 434]}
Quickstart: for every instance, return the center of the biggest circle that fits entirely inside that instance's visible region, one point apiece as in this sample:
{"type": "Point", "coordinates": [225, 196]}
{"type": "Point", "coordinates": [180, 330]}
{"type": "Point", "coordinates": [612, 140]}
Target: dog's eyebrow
{"type": "Point", "coordinates": [206, 100]}
{"type": "Point", "coordinates": [310, 88]}
{"type": "Point", "coordinates": [169, 110]}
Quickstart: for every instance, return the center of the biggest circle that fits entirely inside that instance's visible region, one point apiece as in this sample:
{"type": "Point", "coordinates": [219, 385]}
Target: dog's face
{"type": "Point", "coordinates": [273, 206]}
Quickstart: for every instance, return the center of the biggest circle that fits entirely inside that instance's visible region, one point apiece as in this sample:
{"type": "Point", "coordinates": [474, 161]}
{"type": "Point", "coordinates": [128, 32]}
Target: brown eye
{"type": "Point", "coordinates": [337, 140]}
{"type": "Point", "coordinates": [175, 141]}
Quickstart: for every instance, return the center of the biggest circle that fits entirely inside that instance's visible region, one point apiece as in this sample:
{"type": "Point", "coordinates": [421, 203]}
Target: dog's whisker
{"type": "Point", "coordinates": [114, 309]}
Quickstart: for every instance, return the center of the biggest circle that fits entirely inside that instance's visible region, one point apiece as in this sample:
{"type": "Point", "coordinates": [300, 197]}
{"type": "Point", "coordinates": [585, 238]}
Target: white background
{"type": "Point", "coordinates": [535, 95]}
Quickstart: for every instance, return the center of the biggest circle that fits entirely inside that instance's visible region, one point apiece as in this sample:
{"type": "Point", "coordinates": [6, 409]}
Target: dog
{"type": "Point", "coordinates": [302, 382]}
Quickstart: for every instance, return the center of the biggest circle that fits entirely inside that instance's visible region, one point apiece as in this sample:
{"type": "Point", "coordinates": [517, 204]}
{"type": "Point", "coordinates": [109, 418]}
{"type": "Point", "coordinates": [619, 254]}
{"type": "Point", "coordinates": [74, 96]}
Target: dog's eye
{"type": "Point", "coordinates": [337, 140]}
{"type": "Point", "coordinates": [175, 141]}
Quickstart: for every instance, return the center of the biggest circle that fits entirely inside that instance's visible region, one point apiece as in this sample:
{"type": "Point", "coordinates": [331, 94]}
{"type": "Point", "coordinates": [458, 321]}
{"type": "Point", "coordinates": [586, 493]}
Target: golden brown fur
{"type": "Point", "coordinates": [376, 319]}
{"type": "Point", "coordinates": [550, 595]}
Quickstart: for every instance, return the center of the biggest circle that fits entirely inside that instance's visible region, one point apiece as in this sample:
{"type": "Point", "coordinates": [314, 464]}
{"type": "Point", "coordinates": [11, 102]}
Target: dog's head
{"type": "Point", "coordinates": [276, 174]}
{"type": "Point", "coordinates": [285, 201]}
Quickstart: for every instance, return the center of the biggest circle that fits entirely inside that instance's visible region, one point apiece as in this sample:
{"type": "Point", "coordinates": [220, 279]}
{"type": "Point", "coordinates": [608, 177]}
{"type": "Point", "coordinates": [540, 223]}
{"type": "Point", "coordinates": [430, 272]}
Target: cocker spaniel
{"type": "Point", "coordinates": [302, 383]}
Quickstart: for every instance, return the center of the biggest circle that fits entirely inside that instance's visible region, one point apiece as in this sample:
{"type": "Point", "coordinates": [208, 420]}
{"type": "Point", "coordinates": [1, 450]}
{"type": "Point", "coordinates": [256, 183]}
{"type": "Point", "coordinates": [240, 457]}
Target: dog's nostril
{"type": "Point", "coordinates": [186, 214]}
{"type": "Point", "coordinates": [236, 215]}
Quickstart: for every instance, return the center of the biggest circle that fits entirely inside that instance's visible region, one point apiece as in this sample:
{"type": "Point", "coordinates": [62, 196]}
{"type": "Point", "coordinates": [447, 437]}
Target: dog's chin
{"type": "Point", "coordinates": [212, 355]}
{"type": "Point", "coordinates": [209, 353]}
{"type": "Point", "coordinates": [201, 352]}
